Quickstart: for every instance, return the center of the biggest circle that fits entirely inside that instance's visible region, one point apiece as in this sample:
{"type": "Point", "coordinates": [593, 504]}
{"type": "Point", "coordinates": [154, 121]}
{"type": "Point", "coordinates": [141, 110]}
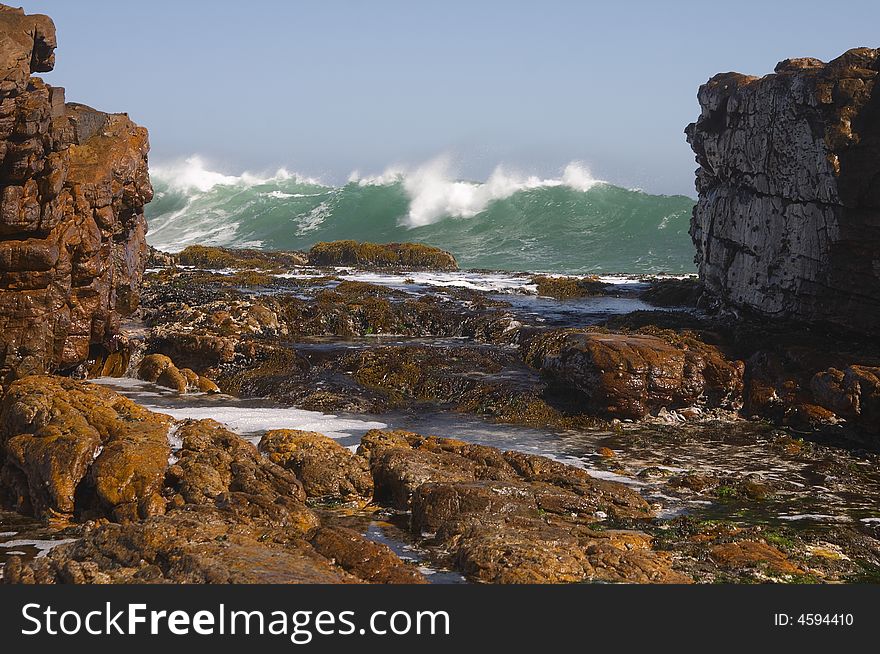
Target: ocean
{"type": "Point", "coordinates": [572, 223]}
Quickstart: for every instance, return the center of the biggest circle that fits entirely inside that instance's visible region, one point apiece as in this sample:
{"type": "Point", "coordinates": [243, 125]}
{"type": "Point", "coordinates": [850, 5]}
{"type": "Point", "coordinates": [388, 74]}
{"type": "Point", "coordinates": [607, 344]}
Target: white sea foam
{"type": "Point", "coordinates": [435, 193]}
{"type": "Point", "coordinates": [239, 417]}
{"type": "Point", "coordinates": [43, 547]}
{"type": "Point", "coordinates": [193, 174]}
{"type": "Point", "coordinates": [249, 420]}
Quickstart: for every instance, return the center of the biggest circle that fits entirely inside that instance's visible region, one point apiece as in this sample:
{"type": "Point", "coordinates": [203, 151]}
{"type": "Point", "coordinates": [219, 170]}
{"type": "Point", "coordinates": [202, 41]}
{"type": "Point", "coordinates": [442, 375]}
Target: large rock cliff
{"type": "Point", "coordinates": [73, 184]}
{"type": "Point", "coordinates": [788, 218]}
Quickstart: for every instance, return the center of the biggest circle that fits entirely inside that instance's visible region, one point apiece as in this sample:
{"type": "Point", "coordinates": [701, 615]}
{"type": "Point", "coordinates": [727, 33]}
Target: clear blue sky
{"type": "Point", "coordinates": [328, 86]}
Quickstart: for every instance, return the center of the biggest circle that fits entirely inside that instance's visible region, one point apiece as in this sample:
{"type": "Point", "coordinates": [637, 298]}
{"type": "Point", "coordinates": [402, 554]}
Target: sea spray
{"type": "Point", "coordinates": [572, 223]}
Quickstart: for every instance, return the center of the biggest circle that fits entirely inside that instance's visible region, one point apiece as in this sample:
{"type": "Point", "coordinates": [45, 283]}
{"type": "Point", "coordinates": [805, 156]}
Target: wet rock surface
{"type": "Point", "coordinates": [76, 450]}
{"type": "Point", "coordinates": [633, 374]}
{"type": "Point", "coordinates": [509, 517]}
{"type": "Point", "coordinates": [214, 511]}
{"type": "Point", "coordinates": [327, 339]}
{"type": "Point", "coordinates": [73, 184]}
{"type": "Point", "coordinates": [325, 468]}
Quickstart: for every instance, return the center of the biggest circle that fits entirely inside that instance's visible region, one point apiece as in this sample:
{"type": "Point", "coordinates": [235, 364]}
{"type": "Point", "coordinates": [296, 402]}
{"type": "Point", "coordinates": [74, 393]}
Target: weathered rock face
{"type": "Point", "coordinates": [326, 469]}
{"type": "Point", "coordinates": [630, 375]}
{"type": "Point", "coordinates": [788, 218]}
{"type": "Point", "coordinates": [70, 448]}
{"type": "Point", "coordinates": [73, 184]}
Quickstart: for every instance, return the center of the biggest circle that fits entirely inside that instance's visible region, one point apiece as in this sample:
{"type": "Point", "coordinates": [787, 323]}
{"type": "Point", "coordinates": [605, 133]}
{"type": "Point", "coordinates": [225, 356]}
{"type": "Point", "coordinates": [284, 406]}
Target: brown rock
{"type": "Point", "coordinates": [73, 184]}
{"type": "Point", "coordinates": [389, 255]}
{"type": "Point", "coordinates": [219, 469]}
{"type": "Point", "coordinates": [751, 554]}
{"type": "Point", "coordinates": [630, 375]}
{"type": "Point", "coordinates": [195, 546]}
{"type": "Point", "coordinates": [73, 448]}
{"type": "Point", "coordinates": [325, 468]}
{"type": "Point", "coordinates": [853, 394]}
{"type": "Point", "coordinates": [372, 562]}
{"type": "Point", "coordinates": [513, 517]}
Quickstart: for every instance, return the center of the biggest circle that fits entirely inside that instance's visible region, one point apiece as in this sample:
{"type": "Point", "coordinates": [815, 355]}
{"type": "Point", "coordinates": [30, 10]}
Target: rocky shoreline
{"type": "Point", "coordinates": [677, 403]}
{"type": "Point", "coordinates": [500, 427]}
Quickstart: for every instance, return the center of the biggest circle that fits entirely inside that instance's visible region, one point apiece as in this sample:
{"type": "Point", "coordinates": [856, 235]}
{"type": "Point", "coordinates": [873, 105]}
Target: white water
{"type": "Point", "coordinates": [435, 192]}
{"type": "Point", "coordinates": [434, 188]}
{"type": "Point", "coordinates": [240, 417]}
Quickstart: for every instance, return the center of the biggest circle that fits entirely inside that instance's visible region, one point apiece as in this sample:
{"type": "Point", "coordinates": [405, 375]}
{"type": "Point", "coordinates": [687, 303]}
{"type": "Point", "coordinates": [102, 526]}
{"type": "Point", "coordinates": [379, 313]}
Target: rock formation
{"type": "Point", "coordinates": [73, 184]}
{"type": "Point", "coordinates": [788, 218]}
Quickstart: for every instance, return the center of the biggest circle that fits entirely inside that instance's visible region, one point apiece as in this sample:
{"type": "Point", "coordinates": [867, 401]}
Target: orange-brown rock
{"type": "Point", "coordinates": [194, 546]}
{"type": "Point", "coordinates": [853, 394]}
{"type": "Point", "coordinates": [76, 449]}
{"type": "Point", "coordinates": [750, 554]}
{"type": "Point", "coordinates": [160, 369]}
{"type": "Point", "coordinates": [325, 468]}
{"type": "Point", "coordinates": [220, 469]}
{"type": "Point", "coordinates": [373, 562]}
{"type": "Point", "coordinates": [510, 517]}
{"type": "Point", "coordinates": [73, 184]}
{"type": "Point", "coordinates": [629, 375]}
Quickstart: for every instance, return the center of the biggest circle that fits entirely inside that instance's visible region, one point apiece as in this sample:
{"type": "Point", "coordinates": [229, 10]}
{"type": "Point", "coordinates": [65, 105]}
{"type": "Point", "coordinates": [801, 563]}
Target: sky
{"type": "Point", "coordinates": [326, 87]}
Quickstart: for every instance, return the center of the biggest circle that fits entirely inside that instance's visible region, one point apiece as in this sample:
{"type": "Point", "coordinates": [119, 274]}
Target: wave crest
{"type": "Point", "coordinates": [568, 223]}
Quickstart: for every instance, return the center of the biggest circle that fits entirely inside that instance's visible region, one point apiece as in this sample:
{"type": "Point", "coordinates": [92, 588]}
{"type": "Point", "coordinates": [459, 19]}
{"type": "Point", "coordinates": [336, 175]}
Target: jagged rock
{"type": "Point", "coordinates": [509, 517]}
{"type": "Point", "coordinates": [853, 394]}
{"type": "Point", "coordinates": [629, 375]}
{"type": "Point", "coordinates": [193, 546]}
{"type": "Point", "coordinates": [218, 468]}
{"type": "Point", "coordinates": [72, 448]}
{"type": "Point", "coordinates": [325, 468]}
{"type": "Point", "coordinates": [73, 184]}
{"type": "Point", "coordinates": [212, 511]}
{"type": "Point", "coordinates": [789, 199]}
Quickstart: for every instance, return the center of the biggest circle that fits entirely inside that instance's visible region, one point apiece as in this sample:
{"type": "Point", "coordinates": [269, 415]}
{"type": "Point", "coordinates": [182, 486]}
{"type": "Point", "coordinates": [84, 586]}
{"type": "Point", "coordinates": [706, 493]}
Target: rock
{"type": "Point", "coordinates": [751, 554]}
{"type": "Point", "coordinates": [195, 546]}
{"type": "Point", "coordinates": [372, 562]}
{"type": "Point", "coordinates": [853, 394]}
{"type": "Point", "coordinates": [325, 468]}
{"type": "Point", "coordinates": [512, 517]}
{"type": "Point", "coordinates": [217, 258]}
{"type": "Point", "coordinates": [73, 184]}
{"type": "Point", "coordinates": [566, 288]}
{"type": "Point", "coordinates": [390, 255]}
{"type": "Point", "coordinates": [629, 375]}
{"type": "Point", "coordinates": [788, 193]}
{"type": "Point", "coordinates": [160, 369]}
{"type": "Point", "coordinates": [219, 469]}
{"type": "Point", "coordinates": [77, 449]}
{"type": "Point", "coordinates": [219, 513]}
{"type": "Point", "coordinates": [673, 293]}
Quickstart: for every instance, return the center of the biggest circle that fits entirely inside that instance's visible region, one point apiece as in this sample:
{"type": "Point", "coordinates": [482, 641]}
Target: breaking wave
{"type": "Point", "coordinates": [570, 223]}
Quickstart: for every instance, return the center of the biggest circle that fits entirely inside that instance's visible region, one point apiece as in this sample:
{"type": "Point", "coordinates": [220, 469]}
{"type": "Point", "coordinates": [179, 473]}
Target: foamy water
{"type": "Point", "coordinates": [512, 220]}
